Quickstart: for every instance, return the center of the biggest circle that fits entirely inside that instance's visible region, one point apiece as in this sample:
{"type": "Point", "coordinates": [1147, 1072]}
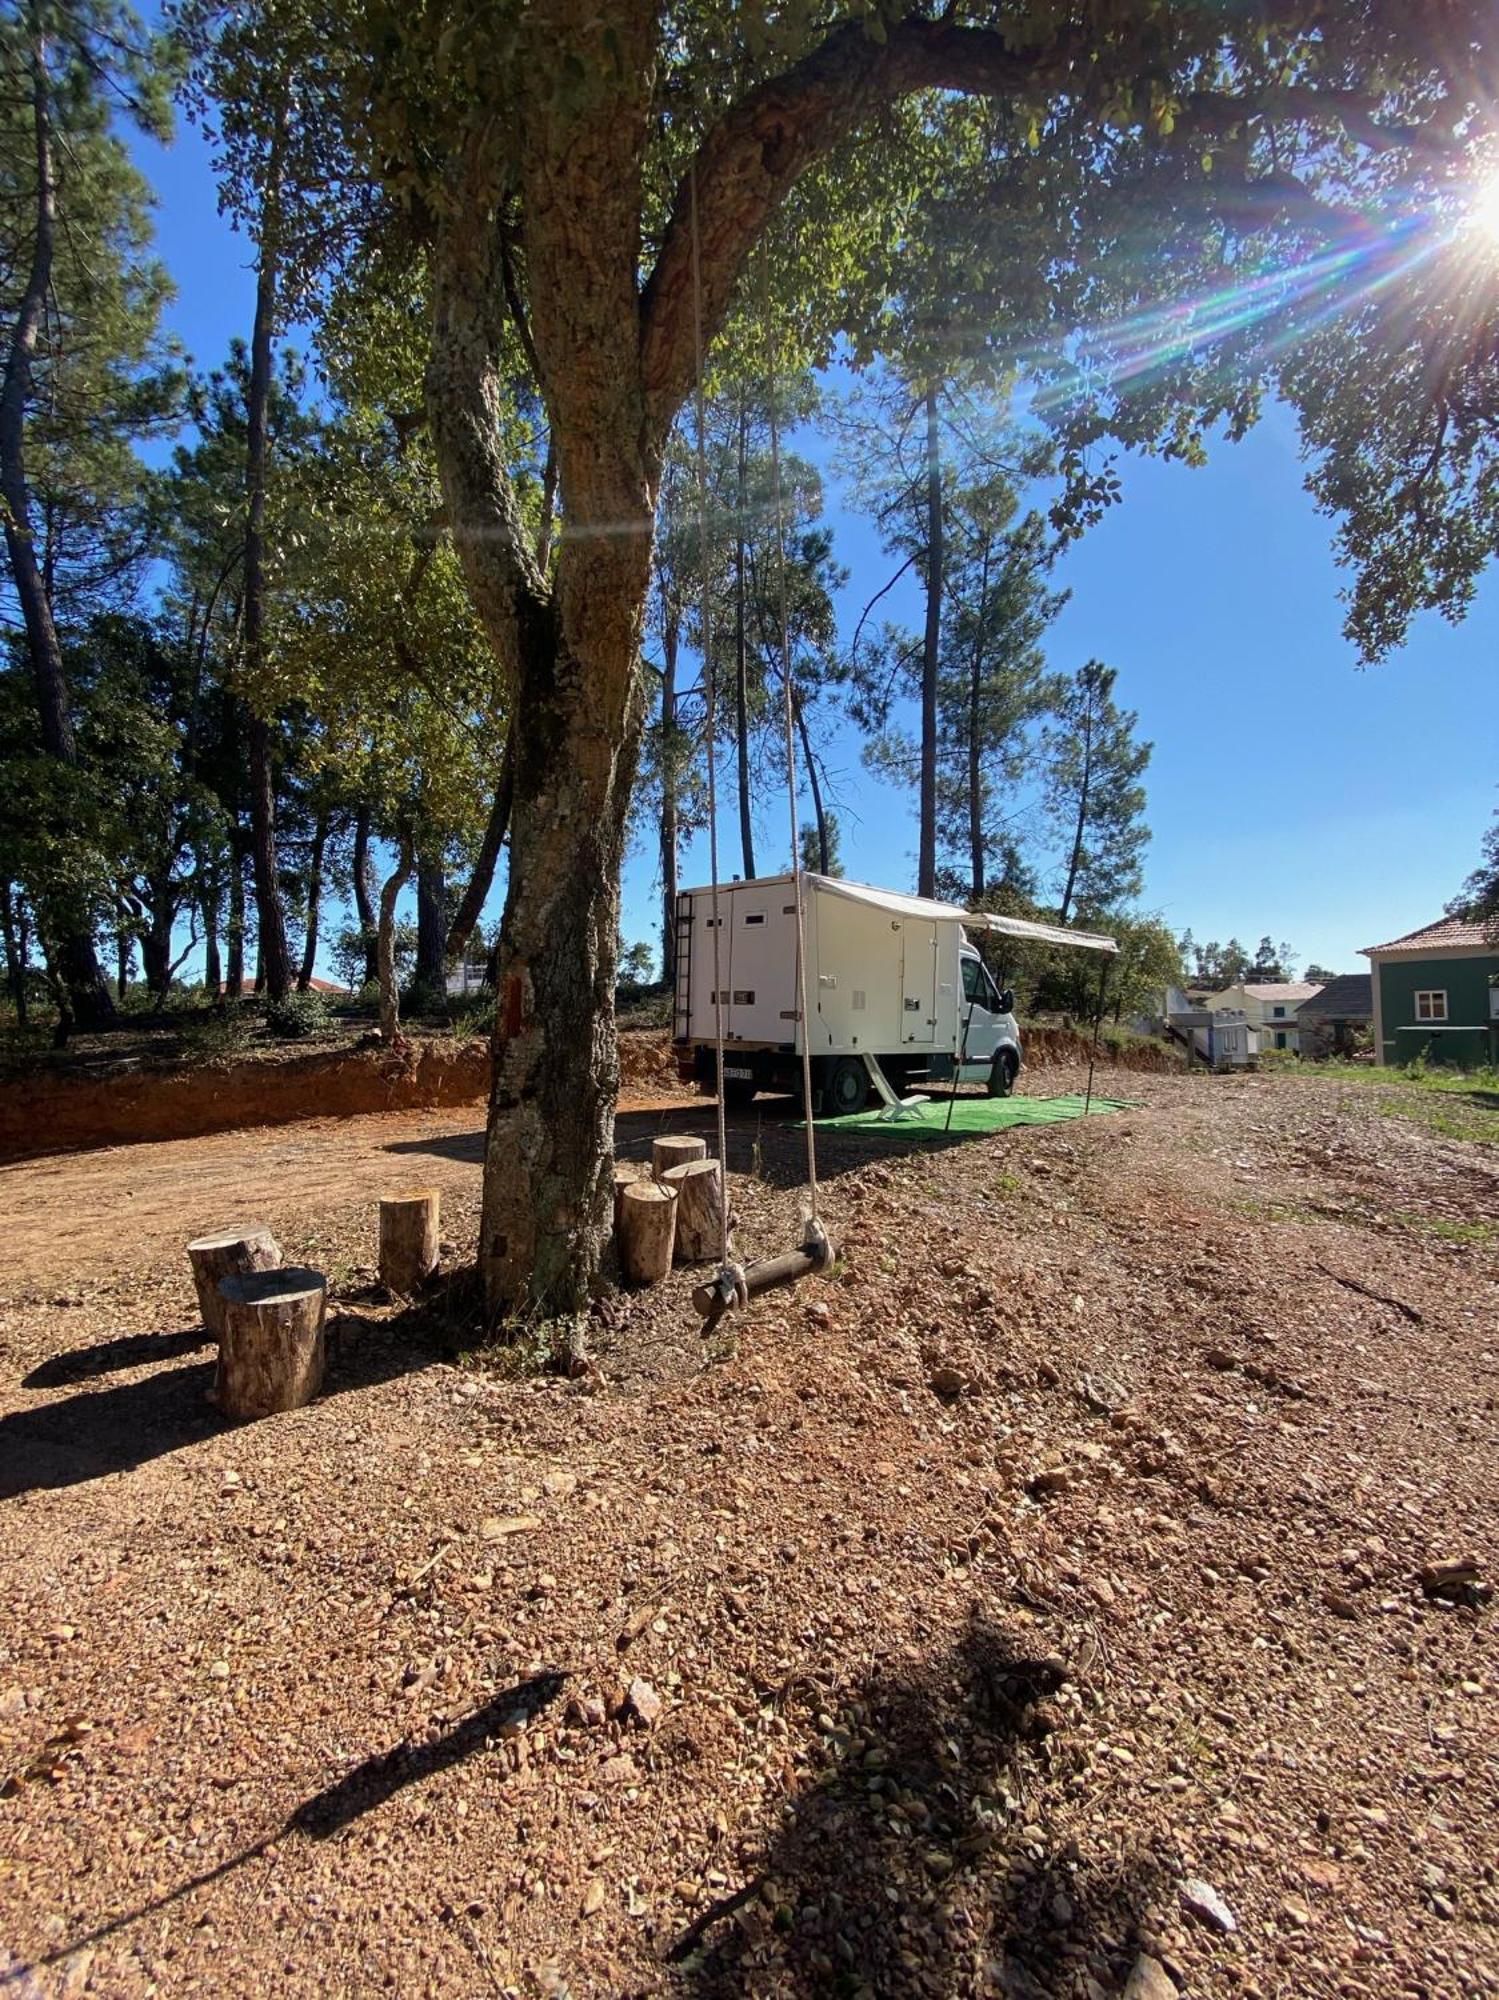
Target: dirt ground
{"type": "Point", "coordinates": [1032, 1605]}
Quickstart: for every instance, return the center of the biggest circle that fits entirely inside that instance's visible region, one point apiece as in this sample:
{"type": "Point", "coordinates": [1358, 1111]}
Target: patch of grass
{"type": "Point", "coordinates": [1447, 1231]}
{"type": "Point", "coordinates": [1452, 1104]}
{"type": "Point", "coordinates": [1273, 1211]}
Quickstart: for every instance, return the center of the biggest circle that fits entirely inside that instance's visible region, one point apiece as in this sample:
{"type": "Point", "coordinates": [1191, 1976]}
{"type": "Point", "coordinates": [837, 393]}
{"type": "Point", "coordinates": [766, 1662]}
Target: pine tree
{"type": "Point", "coordinates": [84, 377]}
{"type": "Point", "coordinates": [1094, 793]}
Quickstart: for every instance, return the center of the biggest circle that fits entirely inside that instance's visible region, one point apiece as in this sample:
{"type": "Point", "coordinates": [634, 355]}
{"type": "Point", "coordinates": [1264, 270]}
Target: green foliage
{"type": "Point", "coordinates": [299, 1017]}
{"type": "Point", "coordinates": [1220, 966]}
{"type": "Point", "coordinates": [1479, 900]}
{"type": "Point", "coordinates": [1094, 794]}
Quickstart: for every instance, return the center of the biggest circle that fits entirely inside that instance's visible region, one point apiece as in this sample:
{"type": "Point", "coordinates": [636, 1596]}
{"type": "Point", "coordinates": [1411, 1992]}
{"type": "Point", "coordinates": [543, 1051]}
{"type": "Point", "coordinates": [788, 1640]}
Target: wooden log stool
{"type": "Point", "coordinates": [271, 1353]}
{"type": "Point", "coordinates": [698, 1185]}
{"type": "Point", "coordinates": [409, 1239]}
{"type": "Point", "coordinates": [228, 1253]}
{"type": "Point", "coordinates": [675, 1149]}
{"type": "Point", "coordinates": [647, 1231]}
{"type": "Point", "coordinates": [625, 1173]}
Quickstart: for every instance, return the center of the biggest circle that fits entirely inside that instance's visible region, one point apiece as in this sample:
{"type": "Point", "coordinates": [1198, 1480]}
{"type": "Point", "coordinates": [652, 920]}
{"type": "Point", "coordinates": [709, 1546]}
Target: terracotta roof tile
{"type": "Point", "coordinates": [1444, 932]}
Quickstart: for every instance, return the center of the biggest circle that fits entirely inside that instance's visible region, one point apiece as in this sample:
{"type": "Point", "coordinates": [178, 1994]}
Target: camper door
{"type": "Point", "coordinates": [919, 943]}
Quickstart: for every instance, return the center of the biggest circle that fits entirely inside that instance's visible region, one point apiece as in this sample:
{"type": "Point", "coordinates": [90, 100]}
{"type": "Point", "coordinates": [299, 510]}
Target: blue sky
{"type": "Point", "coordinates": [1290, 792]}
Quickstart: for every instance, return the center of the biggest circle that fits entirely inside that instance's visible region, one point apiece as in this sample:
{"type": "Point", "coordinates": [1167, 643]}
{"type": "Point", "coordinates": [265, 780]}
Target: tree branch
{"type": "Point", "coordinates": [754, 155]}
{"type": "Point", "coordinates": [463, 402]}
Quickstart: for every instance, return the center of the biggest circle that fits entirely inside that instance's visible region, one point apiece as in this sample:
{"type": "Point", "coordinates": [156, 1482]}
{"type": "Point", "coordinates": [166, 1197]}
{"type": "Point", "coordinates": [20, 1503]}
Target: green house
{"type": "Point", "coordinates": [1436, 995]}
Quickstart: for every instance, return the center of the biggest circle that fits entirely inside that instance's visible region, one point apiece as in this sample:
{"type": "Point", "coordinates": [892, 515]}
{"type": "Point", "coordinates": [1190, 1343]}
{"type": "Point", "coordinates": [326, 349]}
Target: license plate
{"type": "Point", "coordinates": [738, 1075]}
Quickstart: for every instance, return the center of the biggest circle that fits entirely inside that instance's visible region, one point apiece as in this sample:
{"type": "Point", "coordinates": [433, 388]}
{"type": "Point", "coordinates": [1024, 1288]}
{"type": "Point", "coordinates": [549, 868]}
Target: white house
{"type": "Point", "coordinates": [1269, 1007]}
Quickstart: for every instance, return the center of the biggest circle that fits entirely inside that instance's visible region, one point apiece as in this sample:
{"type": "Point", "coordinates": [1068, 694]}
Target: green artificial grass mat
{"type": "Point", "coordinates": [972, 1115]}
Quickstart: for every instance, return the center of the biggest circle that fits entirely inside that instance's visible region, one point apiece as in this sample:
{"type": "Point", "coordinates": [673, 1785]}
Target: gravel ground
{"type": "Point", "coordinates": [1034, 1604]}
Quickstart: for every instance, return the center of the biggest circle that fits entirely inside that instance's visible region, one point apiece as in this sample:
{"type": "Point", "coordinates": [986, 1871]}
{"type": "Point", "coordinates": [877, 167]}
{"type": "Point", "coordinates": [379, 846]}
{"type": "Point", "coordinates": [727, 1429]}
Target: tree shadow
{"type": "Point", "coordinates": [765, 1141]}
{"type": "Point", "coordinates": [104, 1357]}
{"type": "Point", "coordinates": [102, 1431]}
{"type": "Point", "coordinates": [368, 1785]}
{"type": "Point", "coordinates": [379, 1778]}
{"type": "Point", "coordinates": [904, 1870]}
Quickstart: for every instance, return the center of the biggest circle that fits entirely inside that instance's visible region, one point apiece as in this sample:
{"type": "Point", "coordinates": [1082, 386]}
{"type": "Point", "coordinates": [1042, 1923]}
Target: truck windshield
{"type": "Point", "coordinates": [978, 986]}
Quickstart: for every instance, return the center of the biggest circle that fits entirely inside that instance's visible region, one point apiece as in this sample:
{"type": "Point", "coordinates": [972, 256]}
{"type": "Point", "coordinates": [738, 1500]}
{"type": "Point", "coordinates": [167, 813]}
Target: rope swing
{"type": "Point", "coordinates": [735, 1284]}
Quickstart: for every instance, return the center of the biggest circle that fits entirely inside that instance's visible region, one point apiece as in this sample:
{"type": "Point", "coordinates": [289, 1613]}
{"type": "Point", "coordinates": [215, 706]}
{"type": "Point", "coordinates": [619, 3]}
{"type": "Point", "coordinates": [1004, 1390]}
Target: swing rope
{"type": "Point", "coordinates": [816, 1238]}
{"type": "Point", "coordinates": [731, 1285]}
{"type": "Point", "coordinates": [731, 1272]}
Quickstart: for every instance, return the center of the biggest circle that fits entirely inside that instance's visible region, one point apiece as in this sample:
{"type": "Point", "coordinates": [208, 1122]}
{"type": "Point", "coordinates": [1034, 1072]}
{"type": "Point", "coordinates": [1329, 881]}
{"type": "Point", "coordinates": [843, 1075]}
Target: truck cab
{"type": "Point", "coordinates": [989, 1038]}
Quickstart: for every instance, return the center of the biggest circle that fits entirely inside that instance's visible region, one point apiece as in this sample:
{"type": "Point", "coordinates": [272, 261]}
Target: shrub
{"type": "Point", "coordinates": [298, 1016]}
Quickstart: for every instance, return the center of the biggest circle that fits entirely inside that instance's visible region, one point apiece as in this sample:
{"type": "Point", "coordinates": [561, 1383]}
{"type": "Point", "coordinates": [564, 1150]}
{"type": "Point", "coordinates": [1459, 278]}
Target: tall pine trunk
{"type": "Point", "coordinates": [814, 783]}
{"type": "Point", "coordinates": [314, 901]}
{"type": "Point", "coordinates": [975, 735]}
{"type": "Point", "coordinates": [364, 894]}
{"type": "Point", "coordinates": [208, 908]}
{"type": "Point", "coordinates": [476, 893]}
{"type": "Point", "coordinates": [926, 861]}
{"type": "Point", "coordinates": [741, 659]}
{"type": "Point", "coordinates": [670, 777]}
{"type": "Point", "coordinates": [1076, 858]}
{"type": "Point", "coordinates": [15, 954]}
{"type": "Point", "coordinates": [385, 941]}
{"type": "Point", "coordinates": [431, 930]}
{"type": "Point", "coordinates": [74, 959]}
{"type": "Point", "coordinates": [275, 954]}
{"type": "Point", "coordinates": [234, 969]}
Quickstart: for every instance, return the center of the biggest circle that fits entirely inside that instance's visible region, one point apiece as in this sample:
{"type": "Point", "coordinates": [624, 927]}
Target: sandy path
{"type": "Point", "coordinates": [76, 1218]}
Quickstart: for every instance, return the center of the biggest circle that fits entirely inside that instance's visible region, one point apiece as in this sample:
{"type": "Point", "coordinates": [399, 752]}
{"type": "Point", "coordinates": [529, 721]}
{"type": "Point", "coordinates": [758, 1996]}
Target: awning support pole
{"type": "Point", "coordinates": [1103, 981]}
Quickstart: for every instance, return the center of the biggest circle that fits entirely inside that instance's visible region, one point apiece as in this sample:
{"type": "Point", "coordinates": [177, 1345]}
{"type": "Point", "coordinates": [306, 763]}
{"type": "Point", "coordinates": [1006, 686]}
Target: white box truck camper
{"type": "Point", "coordinates": [896, 993]}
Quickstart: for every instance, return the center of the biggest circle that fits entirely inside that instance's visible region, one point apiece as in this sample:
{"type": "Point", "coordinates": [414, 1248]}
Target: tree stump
{"type": "Point", "coordinates": [647, 1231]}
{"type": "Point", "coordinates": [271, 1348]}
{"type": "Point", "coordinates": [700, 1207]}
{"type": "Point", "coordinates": [408, 1239]}
{"type": "Point", "coordinates": [625, 1173]}
{"type": "Point", "coordinates": [675, 1150]}
{"type": "Point", "coordinates": [228, 1253]}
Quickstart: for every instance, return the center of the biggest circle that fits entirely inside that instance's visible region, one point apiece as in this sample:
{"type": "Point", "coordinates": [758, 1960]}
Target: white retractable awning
{"type": "Point", "coordinates": [1022, 927]}
{"type": "Point", "coordinates": [900, 905]}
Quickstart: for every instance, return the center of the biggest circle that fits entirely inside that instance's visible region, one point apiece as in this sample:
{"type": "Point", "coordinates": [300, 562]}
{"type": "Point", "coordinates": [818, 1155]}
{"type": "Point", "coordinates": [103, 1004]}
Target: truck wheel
{"type": "Point", "coordinates": [1002, 1073]}
{"type": "Point", "coordinates": [847, 1089]}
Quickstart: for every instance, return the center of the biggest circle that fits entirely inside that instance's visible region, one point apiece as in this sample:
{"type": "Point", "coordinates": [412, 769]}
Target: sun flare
{"type": "Point", "coordinates": [1485, 208]}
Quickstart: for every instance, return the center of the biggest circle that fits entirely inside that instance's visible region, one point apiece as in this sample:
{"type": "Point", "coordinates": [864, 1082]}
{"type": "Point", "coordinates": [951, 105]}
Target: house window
{"type": "Point", "coordinates": [1432, 1005]}
{"type": "Point", "coordinates": [755, 917]}
{"type": "Point", "coordinates": [1279, 1013]}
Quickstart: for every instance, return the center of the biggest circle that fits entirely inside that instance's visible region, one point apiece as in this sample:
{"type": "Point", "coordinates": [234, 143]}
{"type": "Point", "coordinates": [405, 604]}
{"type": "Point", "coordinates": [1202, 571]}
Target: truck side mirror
{"type": "Point", "coordinates": [1007, 1001]}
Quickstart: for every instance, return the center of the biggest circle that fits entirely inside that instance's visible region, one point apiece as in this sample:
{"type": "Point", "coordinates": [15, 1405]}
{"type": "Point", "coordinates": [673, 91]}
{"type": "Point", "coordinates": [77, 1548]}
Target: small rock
{"type": "Point", "coordinates": [219, 1671]}
{"type": "Point", "coordinates": [644, 1703]}
{"type": "Point", "coordinates": [1053, 1479]}
{"type": "Point", "coordinates": [1201, 1900]}
{"type": "Point", "coordinates": [1149, 1980]}
{"type": "Point", "coordinates": [1339, 1605]}
{"type": "Point", "coordinates": [496, 1528]}
{"type": "Point", "coordinates": [557, 1485]}
{"type": "Point", "coordinates": [12, 1703]}
{"type": "Point", "coordinates": [620, 1770]}
{"type": "Point", "coordinates": [686, 1891]}
{"type": "Point", "coordinates": [1049, 1377]}
{"type": "Point", "coordinates": [1295, 1912]}
{"type": "Point", "coordinates": [947, 1382]}
{"type": "Point", "coordinates": [593, 1897]}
